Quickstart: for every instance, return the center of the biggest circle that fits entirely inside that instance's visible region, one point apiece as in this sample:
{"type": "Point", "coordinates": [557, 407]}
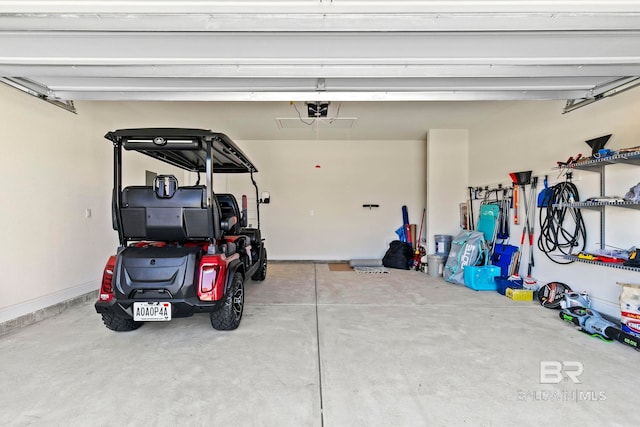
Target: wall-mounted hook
{"type": "Point", "coordinates": [370, 206]}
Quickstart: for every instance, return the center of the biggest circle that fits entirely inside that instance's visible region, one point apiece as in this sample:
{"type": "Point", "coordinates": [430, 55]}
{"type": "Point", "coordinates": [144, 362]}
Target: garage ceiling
{"type": "Point", "coordinates": [340, 50]}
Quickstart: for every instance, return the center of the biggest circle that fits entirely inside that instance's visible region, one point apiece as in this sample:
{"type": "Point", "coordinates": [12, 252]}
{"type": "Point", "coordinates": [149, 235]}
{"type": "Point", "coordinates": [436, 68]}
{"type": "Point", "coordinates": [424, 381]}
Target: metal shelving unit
{"type": "Point", "coordinates": [631, 158]}
{"type": "Point", "coordinates": [599, 205]}
{"type": "Point", "coordinates": [605, 264]}
{"type": "Point", "coordinates": [598, 165]}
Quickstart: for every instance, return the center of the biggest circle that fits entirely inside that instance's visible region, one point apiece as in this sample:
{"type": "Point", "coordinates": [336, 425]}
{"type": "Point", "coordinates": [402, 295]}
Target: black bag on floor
{"type": "Point", "coordinates": [399, 255]}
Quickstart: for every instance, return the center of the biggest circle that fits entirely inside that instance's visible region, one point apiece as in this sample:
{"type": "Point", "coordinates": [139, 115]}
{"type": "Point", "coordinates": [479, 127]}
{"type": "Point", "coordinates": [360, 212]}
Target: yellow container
{"type": "Point", "coordinates": [519, 294]}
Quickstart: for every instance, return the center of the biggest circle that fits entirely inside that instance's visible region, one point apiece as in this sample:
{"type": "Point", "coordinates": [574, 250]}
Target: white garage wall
{"type": "Point", "coordinates": [316, 213]}
{"type": "Point", "coordinates": [533, 136]}
{"type": "Point", "coordinates": [447, 181]}
{"type": "Point", "coordinates": [352, 173]}
{"type": "Point", "coordinates": [54, 165]}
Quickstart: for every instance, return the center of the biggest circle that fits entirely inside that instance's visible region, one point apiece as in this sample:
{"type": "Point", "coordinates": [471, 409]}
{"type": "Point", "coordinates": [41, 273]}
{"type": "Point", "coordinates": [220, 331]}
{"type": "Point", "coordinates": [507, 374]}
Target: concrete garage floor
{"type": "Point", "coordinates": [315, 348]}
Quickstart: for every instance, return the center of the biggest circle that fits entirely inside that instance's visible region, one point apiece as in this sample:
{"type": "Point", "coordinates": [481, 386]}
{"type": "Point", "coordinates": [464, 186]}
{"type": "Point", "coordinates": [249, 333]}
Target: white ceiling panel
{"type": "Point", "coordinates": [319, 50]}
{"type": "Point", "coordinates": [289, 21]}
{"type": "Point", "coordinates": [315, 6]}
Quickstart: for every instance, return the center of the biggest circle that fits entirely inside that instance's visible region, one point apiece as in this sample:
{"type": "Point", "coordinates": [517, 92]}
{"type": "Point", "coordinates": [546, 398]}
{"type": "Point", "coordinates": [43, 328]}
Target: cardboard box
{"type": "Point", "coordinates": [630, 309]}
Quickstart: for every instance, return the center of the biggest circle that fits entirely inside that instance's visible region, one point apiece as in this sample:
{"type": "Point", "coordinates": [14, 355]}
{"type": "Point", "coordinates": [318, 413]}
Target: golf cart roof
{"type": "Point", "coordinates": [185, 148]}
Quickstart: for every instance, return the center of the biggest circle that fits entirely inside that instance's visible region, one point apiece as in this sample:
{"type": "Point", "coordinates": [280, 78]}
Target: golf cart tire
{"type": "Point", "coordinates": [261, 273]}
{"type": "Point", "coordinates": [119, 324]}
{"type": "Point", "coordinates": [228, 317]}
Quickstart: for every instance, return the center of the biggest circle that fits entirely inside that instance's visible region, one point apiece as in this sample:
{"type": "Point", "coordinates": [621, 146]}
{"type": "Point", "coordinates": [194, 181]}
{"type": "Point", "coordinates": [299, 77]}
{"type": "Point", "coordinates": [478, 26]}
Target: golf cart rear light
{"type": "Point", "coordinates": [207, 281]}
{"type": "Point", "coordinates": [106, 288]}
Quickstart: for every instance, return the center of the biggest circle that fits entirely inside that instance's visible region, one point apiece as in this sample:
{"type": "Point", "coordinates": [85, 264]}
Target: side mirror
{"type": "Point", "coordinates": [265, 197]}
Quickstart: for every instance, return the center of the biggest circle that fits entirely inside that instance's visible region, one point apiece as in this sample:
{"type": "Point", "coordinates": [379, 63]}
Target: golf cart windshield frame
{"type": "Point", "coordinates": [194, 150]}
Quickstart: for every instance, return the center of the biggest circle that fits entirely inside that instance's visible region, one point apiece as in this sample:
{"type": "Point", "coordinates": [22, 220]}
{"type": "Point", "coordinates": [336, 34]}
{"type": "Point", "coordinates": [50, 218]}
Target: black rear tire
{"type": "Point", "coordinates": [119, 324]}
{"type": "Point", "coordinates": [228, 317]}
{"type": "Point", "coordinates": [261, 273]}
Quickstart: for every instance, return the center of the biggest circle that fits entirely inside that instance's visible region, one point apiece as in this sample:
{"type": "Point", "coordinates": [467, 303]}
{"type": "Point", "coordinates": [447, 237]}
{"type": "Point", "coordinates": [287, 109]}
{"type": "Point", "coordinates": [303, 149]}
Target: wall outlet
{"type": "Point", "coordinates": [87, 213]}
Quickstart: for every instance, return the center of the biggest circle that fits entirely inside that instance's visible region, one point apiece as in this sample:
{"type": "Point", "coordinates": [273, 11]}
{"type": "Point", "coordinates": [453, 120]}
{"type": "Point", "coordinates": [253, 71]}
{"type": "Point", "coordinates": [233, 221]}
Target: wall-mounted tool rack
{"type": "Point", "coordinates": [598, 165]}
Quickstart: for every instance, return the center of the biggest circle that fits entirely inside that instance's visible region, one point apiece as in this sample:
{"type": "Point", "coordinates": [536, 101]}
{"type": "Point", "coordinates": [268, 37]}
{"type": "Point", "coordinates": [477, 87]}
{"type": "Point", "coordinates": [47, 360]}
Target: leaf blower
{"type": "Point", "coordinates": [591, 322]}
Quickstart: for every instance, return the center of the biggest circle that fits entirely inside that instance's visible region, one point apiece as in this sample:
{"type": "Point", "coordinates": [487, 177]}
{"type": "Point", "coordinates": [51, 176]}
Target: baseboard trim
{"type": "Point", "coordinates": [307, 261]}
{"type": "Point", "coordinates": [30, 312]}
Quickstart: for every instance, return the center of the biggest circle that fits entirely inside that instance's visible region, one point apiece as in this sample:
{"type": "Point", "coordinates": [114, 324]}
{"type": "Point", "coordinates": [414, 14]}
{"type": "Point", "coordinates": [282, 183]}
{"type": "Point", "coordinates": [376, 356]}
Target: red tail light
{"type": "Point", "coordinates": [106, 288]}
{"type": "Point", "coordinates": [208, 276]}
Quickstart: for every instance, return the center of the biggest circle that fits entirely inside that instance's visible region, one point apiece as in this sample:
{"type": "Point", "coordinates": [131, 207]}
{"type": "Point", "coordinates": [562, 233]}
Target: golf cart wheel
{"type": "Point", "coordinates": [119, 324]}
{"type": "Point", "coordinates": [228, 316]}
{"type": "Point", "coordinates": [261, 274]}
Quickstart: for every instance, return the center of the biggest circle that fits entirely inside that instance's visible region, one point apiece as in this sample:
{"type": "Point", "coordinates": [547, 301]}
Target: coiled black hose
{"type": "Point", "coordinates": [562, 229]}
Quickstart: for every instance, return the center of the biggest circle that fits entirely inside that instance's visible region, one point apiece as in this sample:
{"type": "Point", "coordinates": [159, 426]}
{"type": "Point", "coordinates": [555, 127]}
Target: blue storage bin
{"type": "Point", "coordinates": [503, 282]}
{"type": "Point", "coordinates": [481, 278]}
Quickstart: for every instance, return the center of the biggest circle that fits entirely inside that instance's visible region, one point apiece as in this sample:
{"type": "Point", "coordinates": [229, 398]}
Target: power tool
{"type": "Point", "coordinates": [592, 323]}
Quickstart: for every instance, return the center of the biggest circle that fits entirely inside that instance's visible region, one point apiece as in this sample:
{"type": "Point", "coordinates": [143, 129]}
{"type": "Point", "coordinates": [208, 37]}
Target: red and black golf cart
{"type": "Point", "coordinates": [183, 249]}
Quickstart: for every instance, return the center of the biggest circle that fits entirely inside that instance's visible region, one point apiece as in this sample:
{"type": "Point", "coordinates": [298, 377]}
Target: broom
{"type": "Point", "coordinates": [520, 180]}
{"type": "Point", "coordinates": [416, 255]}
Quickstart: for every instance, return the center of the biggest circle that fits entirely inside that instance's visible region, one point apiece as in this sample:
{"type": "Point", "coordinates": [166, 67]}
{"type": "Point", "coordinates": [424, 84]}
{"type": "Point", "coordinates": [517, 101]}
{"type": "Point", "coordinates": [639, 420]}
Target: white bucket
{"type": "Point", "coordinates": [436, 264]}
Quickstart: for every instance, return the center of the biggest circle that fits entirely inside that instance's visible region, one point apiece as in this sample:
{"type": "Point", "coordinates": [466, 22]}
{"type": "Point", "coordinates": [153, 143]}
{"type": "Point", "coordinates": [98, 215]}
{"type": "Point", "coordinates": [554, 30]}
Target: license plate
{"type": "Point", "coordinates": [151, 311]}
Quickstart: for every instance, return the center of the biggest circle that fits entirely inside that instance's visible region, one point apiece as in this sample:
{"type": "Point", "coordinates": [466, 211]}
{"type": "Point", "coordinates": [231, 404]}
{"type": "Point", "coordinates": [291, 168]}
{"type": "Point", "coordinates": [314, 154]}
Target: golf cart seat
{"type": "Point", "coordinates": [228, 209]}
{"type": "Point", "coordinates": [165, 211]}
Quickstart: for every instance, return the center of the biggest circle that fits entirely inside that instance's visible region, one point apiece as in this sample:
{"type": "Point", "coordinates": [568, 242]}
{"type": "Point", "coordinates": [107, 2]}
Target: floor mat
{"type": "Point", "coordinates": [371, 270]}
{"type": "Point", "coordinates": [340, 266]}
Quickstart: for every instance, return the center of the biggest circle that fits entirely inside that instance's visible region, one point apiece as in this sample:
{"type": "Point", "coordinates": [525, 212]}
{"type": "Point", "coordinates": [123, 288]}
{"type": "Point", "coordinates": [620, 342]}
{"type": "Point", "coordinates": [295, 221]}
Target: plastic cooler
{"type": "Point", "coordinates": [481, 278]}
{"type": "Point", "coordinates": [503, 282]}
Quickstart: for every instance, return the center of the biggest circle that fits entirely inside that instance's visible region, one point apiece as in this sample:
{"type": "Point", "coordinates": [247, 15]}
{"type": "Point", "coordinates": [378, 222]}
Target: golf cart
{"type": "Point", "coordinates": [183, 249]}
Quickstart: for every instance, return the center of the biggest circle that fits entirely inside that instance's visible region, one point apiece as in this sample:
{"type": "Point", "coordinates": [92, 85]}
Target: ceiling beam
{"type": "Point", "coordinates": [314, 6]}
{"type": "Point", "coordinates": [320, 49]}
{"type": "Point", "coordinates": [522, 48]}
{"type": "Point", "coordinates": [39, 91]}
{"type": "Point", "coordinates": [331, 96]}
{"type": "Point", "coordinates": [350, 84]}
{"type": "Point", "coordinates": [601, 92]}
{"type": "Point", "coordinates": [196, 71]}
{"type": "Point", "coordinates": [326, 22]}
